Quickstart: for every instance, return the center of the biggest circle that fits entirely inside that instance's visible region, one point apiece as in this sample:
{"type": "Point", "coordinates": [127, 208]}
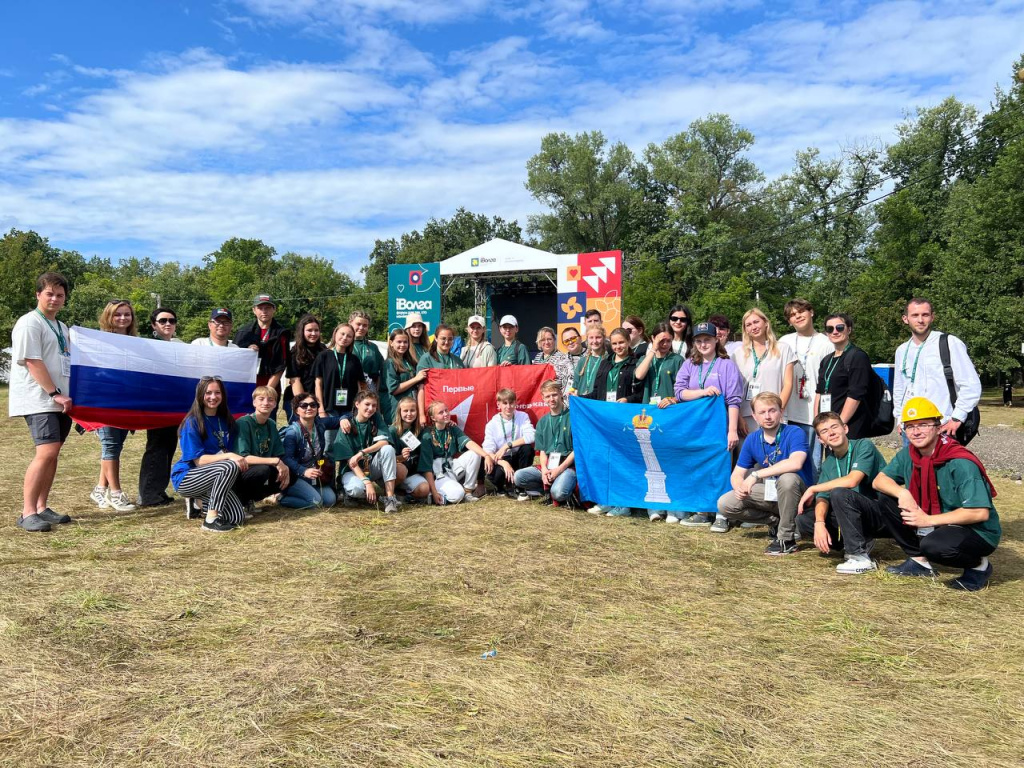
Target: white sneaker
{"type": "Point", "coordinates": [99, 495]}
{"type": "Point", "coordinates": [469, 498]}
{"type": "Point", "coordinates": [390, 505]}
{"type": "Point", "coordinates": [655, 515]}
{"type": "Point", "coordinates": [671, 519]}
{"type": "Point", "coordinates": [857, 564]}
{"type": "Point", "coordinates": [523, 496]}
{"type": "Point", "coordinates": [597, 509]}
{"type": "Point", "coordinates": [119, 501]}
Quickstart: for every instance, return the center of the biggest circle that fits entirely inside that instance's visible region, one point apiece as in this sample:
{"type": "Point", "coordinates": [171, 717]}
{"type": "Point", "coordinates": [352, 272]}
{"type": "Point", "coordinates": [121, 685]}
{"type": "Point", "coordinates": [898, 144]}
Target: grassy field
{"type": "Point", "coordinates": [347, 638]}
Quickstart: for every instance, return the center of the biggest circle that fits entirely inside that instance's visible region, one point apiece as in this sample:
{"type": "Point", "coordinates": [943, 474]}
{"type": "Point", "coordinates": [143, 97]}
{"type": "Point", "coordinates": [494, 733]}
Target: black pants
{"type": "Point", "coordinates": [860, 519]}
{"type": "Point", "coordinates": [257, 483]}
{"type": "Point", "coordinates": [155, 470]}
{"type": "Point", "coordinates": [519, 457]}
{"type": "Point", "coordinates": [805, 526]}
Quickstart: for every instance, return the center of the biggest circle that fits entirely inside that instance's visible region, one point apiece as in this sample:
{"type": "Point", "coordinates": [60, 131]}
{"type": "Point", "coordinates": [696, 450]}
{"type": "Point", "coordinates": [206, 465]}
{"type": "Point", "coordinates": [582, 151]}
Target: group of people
{"type": "Point", "coordinates": [799, 414]}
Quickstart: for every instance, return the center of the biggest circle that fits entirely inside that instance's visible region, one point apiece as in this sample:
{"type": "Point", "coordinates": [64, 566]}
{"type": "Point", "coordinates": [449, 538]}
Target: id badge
{"type": "Point", "coordinates": [554, 459]}
{"type": "Point", "coordinates": [411, 441]}
{"type": "Point", "coordinates": [753, 389]}
{"type": "Point", "coordinates": [804, 392]}
{"type": "Point", "coordinates": [341, 397]}
{"type": "Point", "coordinates": [610, 398]}
{"type": "Point", "coordinates": [771, 492]}
{"type": "Point", "coordinates": [65, 365]}
{"type": "Point", "coordinates": [655, 400]}
{"type": "Point", "coordinates": [825, 404]}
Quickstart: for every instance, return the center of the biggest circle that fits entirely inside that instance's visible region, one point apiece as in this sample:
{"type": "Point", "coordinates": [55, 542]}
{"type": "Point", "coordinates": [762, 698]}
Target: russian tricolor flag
{"type": "Point", "coordinates": [136, 383]}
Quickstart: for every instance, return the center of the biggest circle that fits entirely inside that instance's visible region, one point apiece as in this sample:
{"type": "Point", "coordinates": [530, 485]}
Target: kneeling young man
{"type": "Point", "coordinates": [369, 455]}
{"type": "Point", "coordinates": [770, 475]}
{"type": "Point", "coordinates": [260, 443]}
{"type": "Point", "coordinates": [936, 502]}
{"type": "Point", "coordinates": [849, 466]}
{"type": "Point", "coordinates": [508, 438]}
{"type": "Point", "coordinates": [556, 474]}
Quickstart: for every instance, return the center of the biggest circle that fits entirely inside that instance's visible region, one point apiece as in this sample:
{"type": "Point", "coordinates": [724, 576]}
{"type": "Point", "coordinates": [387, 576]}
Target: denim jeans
{"type": "Point", "coordinates": [529, 480]}
{"type": "Point", "coordinates": [303, 495]}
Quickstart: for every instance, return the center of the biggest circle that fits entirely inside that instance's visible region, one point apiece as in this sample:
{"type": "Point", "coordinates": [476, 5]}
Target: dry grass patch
{"type": "Point", "coordinates": [346, 638]}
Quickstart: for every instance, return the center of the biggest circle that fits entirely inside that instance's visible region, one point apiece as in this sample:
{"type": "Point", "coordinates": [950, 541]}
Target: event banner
{"type": "Point", "coordinates": [589, 281]}
{"type": "Point", "coordinates": [673, 458]}
{"type": "Point", "coordinates": [414, 288]}
{"type": "Point", "coordinates": [135, 383]}
{"type": "Point", "coordinates": [470, 393]}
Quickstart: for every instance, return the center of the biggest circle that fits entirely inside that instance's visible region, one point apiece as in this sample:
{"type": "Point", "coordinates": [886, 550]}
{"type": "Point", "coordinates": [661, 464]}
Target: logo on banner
{"type": "Point", "coordinates": [571, 308]}
{"type": "Point", "coordinates": [572, 273]}
{"type": "Point", "coordinates": [416, 277]}
{"type": "Point", "coordinates": [474, 262]}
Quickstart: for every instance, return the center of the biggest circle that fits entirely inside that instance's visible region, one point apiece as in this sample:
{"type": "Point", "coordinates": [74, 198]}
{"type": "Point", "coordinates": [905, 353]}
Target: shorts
{"type": "Point", "coordinates": [48, 427]}
{"type": "Point", "coordinates": [111, 442]}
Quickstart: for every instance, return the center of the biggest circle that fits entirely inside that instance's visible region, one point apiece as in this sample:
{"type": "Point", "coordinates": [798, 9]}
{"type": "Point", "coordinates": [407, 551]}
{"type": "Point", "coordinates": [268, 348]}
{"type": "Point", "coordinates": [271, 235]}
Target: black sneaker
{"type": "Point", "coordinates": [781, 547]}
{"type": "Point", "coordinates": [33, 523]}
{"type": "Point", "coordinates": [972, 580]}
{"type": "Point", "coordinates": [218, 526]}
{"type": "Point", "coordinates": [192, 509]}
{"type": "Point", "coordinates": [910, 567]}
{"type": "Point", "coordinates": [53, 518]}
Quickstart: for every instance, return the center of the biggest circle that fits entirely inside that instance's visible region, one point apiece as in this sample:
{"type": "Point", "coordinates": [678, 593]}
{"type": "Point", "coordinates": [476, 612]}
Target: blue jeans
{"type": "Point", "coordinates": [813, 445]}
{"type": "Point", "coordinates": [529, 480]}
{"type": "Point", "coordinates": [303, 495]}
{"type": "Point", "coordinates": [111, 442]}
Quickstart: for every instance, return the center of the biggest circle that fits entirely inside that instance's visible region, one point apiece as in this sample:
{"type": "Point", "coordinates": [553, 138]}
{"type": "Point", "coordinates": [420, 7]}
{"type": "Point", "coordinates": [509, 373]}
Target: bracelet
{"type": "Point", "coordinates": [366, 480]}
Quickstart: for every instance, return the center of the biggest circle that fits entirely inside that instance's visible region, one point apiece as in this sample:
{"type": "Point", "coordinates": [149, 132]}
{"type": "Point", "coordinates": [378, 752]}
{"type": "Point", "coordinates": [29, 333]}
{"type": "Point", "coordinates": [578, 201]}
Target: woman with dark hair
{"type": "Point", "coordinates": [658, 367]}
{"type": "Point", "coordinates": [339, 376]}
{"type": "Point", "coordinates": [209, 466]}
{"type": "Point", "coordinates": [307, 454]}
{"type": "Point", "coordinates": [844, 378]}
{"type": "Point", "coordinates": [155, 469]}
{"type": "Point", "coordinates": [680, 320]}
{"type": "Point", "coordinates": [634, 326]}
{"type": "Point", "coordinates": [438, 356]}
{"type": "Point", "coordinates": [301, 357]}
{"type": "Point", "coordinates": [400, 379]}
{"type": "Point", "coordinates": [117, 317]}
{"type": "Point", "coordinates": [614, 381]}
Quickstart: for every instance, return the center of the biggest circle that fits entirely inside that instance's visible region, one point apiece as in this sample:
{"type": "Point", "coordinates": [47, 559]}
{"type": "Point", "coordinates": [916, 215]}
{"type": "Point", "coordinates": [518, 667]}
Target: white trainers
{"type": "Point", "coordinates": [99, 495]}
{"type": "Point", "coordinates": [469, 498]}
{"type": "Point", "coordinates": [597, 509]}
{"type": "Point", "coordinates": [670, 518]}
{"type": "Point", "coordinates": [857, 564]}
{"type": "Point", "coordinates": [119, 501]}
{"type": "Point", "coordinates": [656, 515]}
{"type": "Point", "coordinates": [390, 505]}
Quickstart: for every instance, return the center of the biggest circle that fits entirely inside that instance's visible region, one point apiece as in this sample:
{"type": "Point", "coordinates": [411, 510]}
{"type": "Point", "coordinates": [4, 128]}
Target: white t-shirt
{"type": "Point", "coordinates": [34, 338]}
{"type": "Point", "coordinates": [207, 342]}
{"type": "Point", "coordinates": [770, 373]}
{"type": "Point", "coordinates": [809, 351]}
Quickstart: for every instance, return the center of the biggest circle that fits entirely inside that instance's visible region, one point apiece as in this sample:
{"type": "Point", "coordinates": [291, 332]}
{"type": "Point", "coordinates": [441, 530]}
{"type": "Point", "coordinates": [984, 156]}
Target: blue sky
{"type": "Point", "coordinates": [161, 128]}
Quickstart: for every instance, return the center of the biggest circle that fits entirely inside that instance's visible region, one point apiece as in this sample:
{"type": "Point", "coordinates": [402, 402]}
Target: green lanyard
{"type": "Point", "coordinates": [612, 379]}
{"type": "Point", "coordinates": [587, 379]}
{"type": "Point", "coordinates": [849, 458]}
{"type": "Point", "coordinates": [913, 373]}
{"type": "Point", "coordinates": [61, 341]}
{"type": "Point", "coordinates": [559, 425]}
{"type": "Point", "coordinates": [341, 368]}
{"type": "Point", "coordinates": [369, 433]}
{"type": "Point", "coordinates": [508, 352]}
{"type": "Point", "coordinates": [446, 360]}
{"type": "Point", "coordinates": [703, 377]}
{"type": "Point", "coordinates": [830, 369]}
{"type": "Point", "coordinates": [503, 433]}
{"type": "Point", "coordinates": [757, 360]}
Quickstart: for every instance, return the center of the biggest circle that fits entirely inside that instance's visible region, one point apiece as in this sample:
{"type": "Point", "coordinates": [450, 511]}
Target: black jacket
{"type": "Point", "coordinates": [629, 388]}
{"type": "Point", "coordinates": [273, 351]}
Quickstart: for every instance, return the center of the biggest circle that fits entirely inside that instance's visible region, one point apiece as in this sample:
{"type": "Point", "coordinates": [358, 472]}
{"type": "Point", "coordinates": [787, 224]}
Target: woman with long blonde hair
{"type": "Point", "coordinates": [765, 364]}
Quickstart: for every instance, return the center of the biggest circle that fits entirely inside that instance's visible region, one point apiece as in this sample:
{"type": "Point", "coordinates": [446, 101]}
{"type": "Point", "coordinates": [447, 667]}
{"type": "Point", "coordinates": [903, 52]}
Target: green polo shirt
{"type": "Point", "coordinates": [554, 434]}
{"type": "Point", "coordinates": [370, 358]}
{"type": "Point", "coordinates": [863, 456]}
{"type": "Point", "coordinates": [960, 485]}
{"type": "Point", "coordinates": [660, 380]}
{"type": "Point", "coordinates": [444, 443]}
{"type": "Point", "coordinates": [255, 440]}
{"type": "Point", "coordinates": [515, 353]}
{"type": "Point", "coordinates": [444, 361]}
{"type": "Point", "coordinates": [363, 435]}
{"type": "Point", "coordinates": [392, 380]}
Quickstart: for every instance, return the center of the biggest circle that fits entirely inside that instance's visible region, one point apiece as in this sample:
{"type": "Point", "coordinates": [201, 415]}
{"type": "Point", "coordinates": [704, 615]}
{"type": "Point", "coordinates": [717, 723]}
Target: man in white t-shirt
{"type": "Point", "coordinates": [220, 330]}
{"type": "Point", "coordinates": [919, 371]}
{"type": "Point", "coordinates": [810, 348]}
{"type": "Point", "coordinates": [40, 381]}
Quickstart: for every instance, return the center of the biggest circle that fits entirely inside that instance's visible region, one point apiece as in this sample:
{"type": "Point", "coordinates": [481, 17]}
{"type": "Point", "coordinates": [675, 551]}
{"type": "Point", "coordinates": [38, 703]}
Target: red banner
{"type": "Point", "coordinates": [470, 393]}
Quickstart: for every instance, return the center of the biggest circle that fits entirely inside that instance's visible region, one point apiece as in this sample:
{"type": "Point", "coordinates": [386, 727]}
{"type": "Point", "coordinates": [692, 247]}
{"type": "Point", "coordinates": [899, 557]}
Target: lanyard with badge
{"type": "Point", "coordinates": [612, 382]}
{"type": "Point", "coordinates": [702, 377]}
{"type": "Point", "coordinates": [917, 358]}
{"type": "Point", "coordinates": [445, 459]}
{"type": "Point", "coordinates": [654, 380]}
{"type": "Point", "coordinates": [341, 394]}
{"type": "Point", "coordinates": [555, 458]}
{"type": "Point", "coordinates": [754, 386]}
{"type": "Point", "coordinates": [220, 434]}
{"type": "Point", "coordinates": [587, 378]}
{"type": "Point", "coordinates": [825, 402]}
{"type": "Point", "coordinates": [62, 345]}
{"type": "Point", "coordinates": [504, 434]}
{"type": "Point", "coordinates": [802, 392]}
{"type": "Point", "coordinates": [771, 491]}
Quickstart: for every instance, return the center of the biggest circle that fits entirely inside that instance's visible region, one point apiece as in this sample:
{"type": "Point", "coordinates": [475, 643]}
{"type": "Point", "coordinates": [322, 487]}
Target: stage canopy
{"type": "Point", "coordinates": [498, 256]}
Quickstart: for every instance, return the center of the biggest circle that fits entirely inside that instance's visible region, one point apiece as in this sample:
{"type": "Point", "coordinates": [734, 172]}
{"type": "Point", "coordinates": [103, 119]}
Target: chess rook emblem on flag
{"type": "Point", "coordinates": [655, 477]}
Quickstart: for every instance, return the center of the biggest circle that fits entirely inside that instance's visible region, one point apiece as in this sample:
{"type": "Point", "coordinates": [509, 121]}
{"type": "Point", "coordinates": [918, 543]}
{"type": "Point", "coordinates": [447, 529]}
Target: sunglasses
{"type": "Point", "coordinates": [679, 319]}
{"type": "Point", "coordinates": [838, 328]}
{"type": "Point", "coordinates": [308, 405]}
{"type": "Point", "coordinates": [211, 378]}
{"type": "Point", "coordinates": [167, 320]}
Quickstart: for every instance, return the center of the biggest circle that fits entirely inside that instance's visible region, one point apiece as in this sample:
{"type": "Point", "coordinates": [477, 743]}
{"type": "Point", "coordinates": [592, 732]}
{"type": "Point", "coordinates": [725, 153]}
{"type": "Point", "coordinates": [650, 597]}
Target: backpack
{"type": "Point", "coordinates": [969, 428]}
{"type": "Point", "coordinates": [879, 405]}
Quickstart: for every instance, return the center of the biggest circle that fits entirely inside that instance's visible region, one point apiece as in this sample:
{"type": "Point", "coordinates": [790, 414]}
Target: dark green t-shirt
{"type": "Point", "coordinates": [515, 353]}
{"type": "Point", "coordinates": [960, 485]}
{"type": "Point", "coordinates": [370, 357]}
{"type": "Point", "coordinates": [444, 443]}
{"type": "Point", "coordinates": [660, 380]}
{"type": "Point", "coordinates": [554, 434]}
{"type": "Point", "coordinates": [863, 456]}
{"type": "Point", "coordinates": [255, 440]}
{"type": "Point", "coordinates": [445, 361]}
{"type": "Point", "coordinates": [363, 435]}
{"type": "Point", "coordinates": [392, 380]}
{"type": "Point", "coordinates": [399, 446]}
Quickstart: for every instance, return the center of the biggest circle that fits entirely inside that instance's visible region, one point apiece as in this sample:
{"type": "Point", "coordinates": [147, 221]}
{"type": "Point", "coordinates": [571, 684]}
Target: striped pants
{"type": "Point", "coordinates": [212, 483]}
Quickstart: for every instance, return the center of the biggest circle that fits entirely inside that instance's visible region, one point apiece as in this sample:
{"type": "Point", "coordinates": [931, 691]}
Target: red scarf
{"type": "Point", "coordinates": [923, 486]}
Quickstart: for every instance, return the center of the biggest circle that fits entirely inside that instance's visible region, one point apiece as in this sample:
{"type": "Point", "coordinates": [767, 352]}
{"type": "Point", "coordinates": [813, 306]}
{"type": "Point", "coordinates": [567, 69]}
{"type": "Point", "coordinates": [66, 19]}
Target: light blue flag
{"type": "Point", "coordinates": [674, 458]}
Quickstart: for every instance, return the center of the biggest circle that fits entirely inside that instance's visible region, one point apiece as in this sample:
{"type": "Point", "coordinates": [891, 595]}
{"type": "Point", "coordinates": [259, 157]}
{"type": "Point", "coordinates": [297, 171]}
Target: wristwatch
{"type": "Point", "coordinates": [55, 392]}
{"type": "Point", "coordinates": [508, 444]}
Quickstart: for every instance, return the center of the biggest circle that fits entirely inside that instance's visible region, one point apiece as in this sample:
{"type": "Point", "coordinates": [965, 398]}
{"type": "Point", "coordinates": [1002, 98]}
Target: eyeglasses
{"type": "Point", "coordinates": [918, 427]}
{"type": "Point", "coordinates": [306, 406]}
{"type": "Point", "coordinates": [837, 328]}
{"type": "Point", "coordinates": [167, 320]}
{"type": "Point", "coordinates": [679, 319]}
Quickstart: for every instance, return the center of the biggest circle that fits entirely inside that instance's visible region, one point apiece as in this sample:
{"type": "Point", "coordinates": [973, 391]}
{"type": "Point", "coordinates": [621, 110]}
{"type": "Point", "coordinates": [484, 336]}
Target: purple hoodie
{"type": "Point", "coordinates": [724, 375]}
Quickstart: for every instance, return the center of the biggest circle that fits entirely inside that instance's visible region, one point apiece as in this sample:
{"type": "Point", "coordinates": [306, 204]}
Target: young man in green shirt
{"type": "Point", "coordinates": [513, 351]}
{"type": "Point", "coordinates": [367, 450]}
{"type": "Point", "coordinates": [556, 473]}
{"type": "Point", "coordinates": [848, 465]}
{"type": "Point", "coordinates": [260, 444]}
{"type": "Point", "coordinates": [935, 501]}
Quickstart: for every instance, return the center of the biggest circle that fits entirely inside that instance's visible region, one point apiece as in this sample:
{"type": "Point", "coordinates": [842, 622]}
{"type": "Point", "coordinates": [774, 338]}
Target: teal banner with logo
{"type": "Point", "coordinates": [414, 289]}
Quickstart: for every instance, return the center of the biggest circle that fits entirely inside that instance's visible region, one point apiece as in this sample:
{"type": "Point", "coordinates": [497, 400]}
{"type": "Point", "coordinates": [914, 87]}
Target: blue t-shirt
{"type": "Point", "coordinates": [218, 438]}
{"type": "Point", "coordinates": [758, 452]}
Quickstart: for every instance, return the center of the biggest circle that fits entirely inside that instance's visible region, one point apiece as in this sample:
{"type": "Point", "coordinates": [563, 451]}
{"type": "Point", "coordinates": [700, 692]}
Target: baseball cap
{"type": "Point", "coordinates": [509, 320]}
{"type": "Point", "coordinates": [264, 298]}
{"type": "Point", "coordinates": [220, 312]}
{"type": "Point", "coordinates": [476, 319]}
{"type": "Point", "coordinates": [704, 329]}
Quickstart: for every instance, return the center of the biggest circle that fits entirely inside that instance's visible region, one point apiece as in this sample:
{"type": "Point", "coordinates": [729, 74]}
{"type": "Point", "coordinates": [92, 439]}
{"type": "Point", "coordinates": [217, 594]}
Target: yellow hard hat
{"type": "Point", "coordinates": [918, 408]}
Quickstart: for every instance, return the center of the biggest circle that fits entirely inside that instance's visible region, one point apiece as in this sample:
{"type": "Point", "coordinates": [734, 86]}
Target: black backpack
{"type": "Point", "coordinates": [879, 406]}
{"type": "Point", "coordinates": [969, 428]}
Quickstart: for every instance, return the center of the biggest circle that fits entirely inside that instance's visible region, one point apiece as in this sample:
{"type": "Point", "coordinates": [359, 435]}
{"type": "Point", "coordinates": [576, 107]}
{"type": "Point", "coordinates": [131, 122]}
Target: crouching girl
{"type": "Point", "coordinates": [449, 460]}
{"type": "Point", "coordinates": [369, 455]}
